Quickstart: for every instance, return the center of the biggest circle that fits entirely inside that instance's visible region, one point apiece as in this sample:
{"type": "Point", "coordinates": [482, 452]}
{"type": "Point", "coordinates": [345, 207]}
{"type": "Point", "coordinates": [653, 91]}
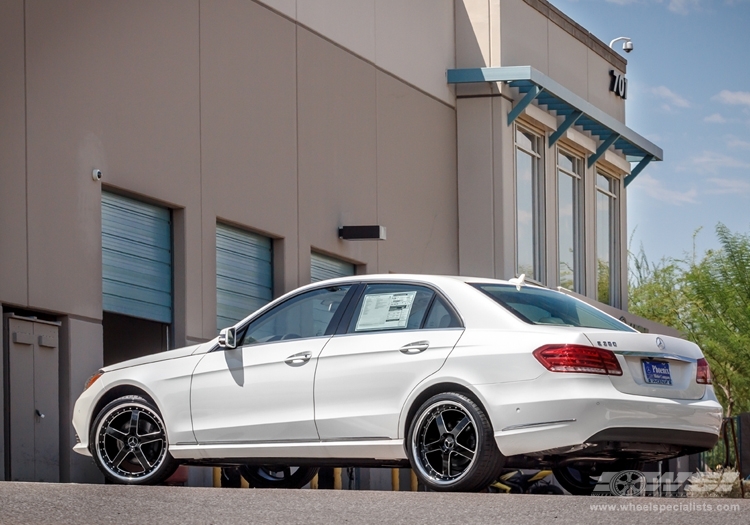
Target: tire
{"type": "Point", "coordinates": [466, 460]}
{"type": "Point", "coordinates": [546, 488]}
{"type": "Point", "coordinates": [132, 454]}
{"type": "Point", "coordinates": [579, 482]}
{"type": "Point", "coordinates": [277, 477]}
{"type": "Point", "coordinates": [582, 482]}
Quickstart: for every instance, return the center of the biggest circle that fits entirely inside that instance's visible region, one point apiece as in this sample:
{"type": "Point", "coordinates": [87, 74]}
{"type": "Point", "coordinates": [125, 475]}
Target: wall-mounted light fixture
{"type": "Point", "coordinates": [362, 233]}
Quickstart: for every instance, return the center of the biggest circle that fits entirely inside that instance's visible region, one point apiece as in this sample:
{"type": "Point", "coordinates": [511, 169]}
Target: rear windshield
{"type": "Point", "coordinates": [542, 306]}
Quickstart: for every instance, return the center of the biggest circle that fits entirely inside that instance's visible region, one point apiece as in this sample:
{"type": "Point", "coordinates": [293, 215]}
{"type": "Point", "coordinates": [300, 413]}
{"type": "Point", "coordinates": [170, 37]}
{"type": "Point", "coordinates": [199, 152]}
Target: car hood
{"type": "Point", "coordinates": [154, 358]}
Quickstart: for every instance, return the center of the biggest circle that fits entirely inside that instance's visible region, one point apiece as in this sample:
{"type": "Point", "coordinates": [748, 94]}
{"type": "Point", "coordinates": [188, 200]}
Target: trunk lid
{"type": "Point", "coordinates": [652, 364]}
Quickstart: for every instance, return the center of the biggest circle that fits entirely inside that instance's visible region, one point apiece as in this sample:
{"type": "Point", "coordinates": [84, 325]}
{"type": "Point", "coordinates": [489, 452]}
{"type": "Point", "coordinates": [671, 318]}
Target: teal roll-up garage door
{"type": "Point", "coordinates": [323, 267]}
{"type": "Point", "coordinates": [136, 258]}
{"type": "Point", "coordinates": [244, 274]}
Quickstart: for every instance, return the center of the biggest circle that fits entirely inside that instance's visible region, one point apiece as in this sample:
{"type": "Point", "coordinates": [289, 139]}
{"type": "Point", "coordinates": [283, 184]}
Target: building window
{"type": "Point", "coordinates": [606, 239]}
{"type": "Point", "coordinates": [570, 221]}
{"type": "Point", "coordinates": [529, 205]}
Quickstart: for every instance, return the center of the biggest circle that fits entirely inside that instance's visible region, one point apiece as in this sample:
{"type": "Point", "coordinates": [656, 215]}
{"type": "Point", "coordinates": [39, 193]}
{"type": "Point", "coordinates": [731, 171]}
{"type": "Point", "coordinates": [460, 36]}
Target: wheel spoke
{"type": "Point", "coordinates": [124, 451]}
{"type": "Point", "coordinates": [431, 447]}
{"type": "Point", "coordinates": [141, 457]}
{"type": "Point", "coordinates": [463, 451]}
{"type": "Point", "coordinates": [157, 434]}
{"type": "Point", "coordinates": [117, 434]}
{"type": "Point", "coordinates": [134, 417]}
{"type": "Point", "coordinates": [148, 441]}
{"type": "Point", "coordinates": [460, 426]}
{"type": "Point", "coordinates": [447, 464]}
{"type": "Point", "coordinates": [440, 422]}
{"type": "Point", "coordinates": [287, 472]}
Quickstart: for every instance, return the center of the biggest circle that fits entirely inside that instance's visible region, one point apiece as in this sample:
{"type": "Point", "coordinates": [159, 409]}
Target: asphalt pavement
{"type": "Point", "coordinates": [48, 503]}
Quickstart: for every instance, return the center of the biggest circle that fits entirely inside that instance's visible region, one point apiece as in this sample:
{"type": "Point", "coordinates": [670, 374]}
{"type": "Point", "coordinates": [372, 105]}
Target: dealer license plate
{"type": "Point", "coordinates": [657, 372]}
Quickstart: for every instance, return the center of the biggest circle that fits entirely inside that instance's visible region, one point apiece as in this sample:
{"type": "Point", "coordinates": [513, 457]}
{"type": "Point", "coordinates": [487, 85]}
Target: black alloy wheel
{"type": "Point", "coordinates": [129, 443]}
{"type": "Point", "coordinates": [451, 445]}
{"type": "Point", "coordinates": [277, 477]}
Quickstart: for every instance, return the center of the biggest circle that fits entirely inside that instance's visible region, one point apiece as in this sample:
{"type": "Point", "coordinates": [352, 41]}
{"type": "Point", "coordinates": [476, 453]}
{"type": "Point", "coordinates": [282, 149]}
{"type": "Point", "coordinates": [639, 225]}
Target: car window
{"type": "Point", "coordinates": [441, 316]}
{"type": "Point", "coordinates": [304, 315]}
{"type": "Point", "coordinates": [391, 307]}
{"type": "Point", "coordinates": [541, 306]}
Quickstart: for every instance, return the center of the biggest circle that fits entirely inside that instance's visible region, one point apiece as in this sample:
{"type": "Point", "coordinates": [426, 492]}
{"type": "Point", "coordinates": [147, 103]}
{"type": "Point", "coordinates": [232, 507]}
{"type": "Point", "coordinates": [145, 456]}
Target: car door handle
{"type": "Point", "coordinates": [415, 348]}
{"type": "Point", "coordinates": [298, 359]}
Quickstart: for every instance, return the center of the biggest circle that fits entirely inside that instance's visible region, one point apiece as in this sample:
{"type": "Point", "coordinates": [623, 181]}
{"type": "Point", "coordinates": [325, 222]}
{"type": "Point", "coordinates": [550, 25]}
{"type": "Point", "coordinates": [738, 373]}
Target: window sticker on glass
{"type": "Point", "coordinates": [385, 311]}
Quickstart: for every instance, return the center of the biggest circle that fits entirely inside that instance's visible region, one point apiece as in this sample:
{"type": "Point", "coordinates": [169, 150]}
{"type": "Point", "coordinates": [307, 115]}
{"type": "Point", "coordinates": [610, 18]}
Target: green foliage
{"type": "Point", "coordinates": [602, 281]}
{"type": "Point", "coordinates": [708, 300]}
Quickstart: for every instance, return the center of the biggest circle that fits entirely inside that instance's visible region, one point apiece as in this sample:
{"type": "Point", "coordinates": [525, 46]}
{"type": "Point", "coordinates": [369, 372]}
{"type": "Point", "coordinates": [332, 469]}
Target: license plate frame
{"type": "Point", "coordinates": [657, 372]}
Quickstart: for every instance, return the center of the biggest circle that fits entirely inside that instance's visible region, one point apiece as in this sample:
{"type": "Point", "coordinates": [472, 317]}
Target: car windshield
{"type": "Point", "coordinates": [546, 307]}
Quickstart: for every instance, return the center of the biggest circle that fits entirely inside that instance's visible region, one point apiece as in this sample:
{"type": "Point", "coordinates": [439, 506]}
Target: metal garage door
{"type": "Point", "coordinates": [136, 258]}
{"type": "Point", "coordinates": [244, 274]}
{"type": "Point", "coordinates": [323, 267]}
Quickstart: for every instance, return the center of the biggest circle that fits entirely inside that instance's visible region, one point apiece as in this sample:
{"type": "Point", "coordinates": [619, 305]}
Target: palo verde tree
{"type": "Point", "coordinates": [708, 300]}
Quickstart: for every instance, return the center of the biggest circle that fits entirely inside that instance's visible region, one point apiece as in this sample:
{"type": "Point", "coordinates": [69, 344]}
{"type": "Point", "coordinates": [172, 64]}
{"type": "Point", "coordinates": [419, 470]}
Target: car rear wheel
{"type": "Point", "coordinates": [278, 477]}
{"type": "Point", "coordinates": [129, 443]}
{"type": "Point", "coordinates": [581, 481]}
{"type": "Point", "coordinates": [451, 445]}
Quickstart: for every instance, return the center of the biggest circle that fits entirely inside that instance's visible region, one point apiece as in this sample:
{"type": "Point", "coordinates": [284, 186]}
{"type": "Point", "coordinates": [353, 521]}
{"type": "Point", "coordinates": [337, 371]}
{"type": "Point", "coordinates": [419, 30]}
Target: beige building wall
{"type": "Point", "coordinates": [288, 118]}
{"type": "Point", "coordinates": [413, 40]}
{"type": "Point", "coordinates": [221, 111]}
{"type": "Point", "coordinates": [13, 226]}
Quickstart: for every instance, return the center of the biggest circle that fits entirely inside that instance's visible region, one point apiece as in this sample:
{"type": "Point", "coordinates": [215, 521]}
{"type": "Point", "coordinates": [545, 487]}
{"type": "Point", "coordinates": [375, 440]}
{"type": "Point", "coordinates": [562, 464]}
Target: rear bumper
{"type": "Point", "coordinates": [656, 436]}
{"type": "Point", "coordinates": [561, 414]}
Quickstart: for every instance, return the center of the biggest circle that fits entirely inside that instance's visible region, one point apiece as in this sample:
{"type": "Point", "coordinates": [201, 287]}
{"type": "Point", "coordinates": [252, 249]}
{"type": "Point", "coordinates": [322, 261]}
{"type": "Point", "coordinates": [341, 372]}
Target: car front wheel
{"type": "Point", "coordinates": [451, 445]}
{"type": "Point", "coordinates": [129, 443]}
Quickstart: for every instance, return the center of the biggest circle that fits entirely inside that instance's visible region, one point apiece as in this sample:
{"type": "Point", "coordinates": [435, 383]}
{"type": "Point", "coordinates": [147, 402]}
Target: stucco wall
{"type": "Point", "coordinates": [412, 40]}
{"type": "Point", "coordinates": [220, 111]}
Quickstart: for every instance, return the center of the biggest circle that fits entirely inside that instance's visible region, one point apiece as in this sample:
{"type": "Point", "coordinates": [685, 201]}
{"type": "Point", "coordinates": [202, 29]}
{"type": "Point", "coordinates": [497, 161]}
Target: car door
{"type": "Point", "coordinates": [397, 335]}
{"type": "Point", "coordinates": [263, 390]}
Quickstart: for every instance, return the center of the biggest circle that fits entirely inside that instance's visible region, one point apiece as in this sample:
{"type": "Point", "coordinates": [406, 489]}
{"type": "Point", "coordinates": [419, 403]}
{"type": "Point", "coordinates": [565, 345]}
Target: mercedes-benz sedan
{"type": "Point", "coordinates": [456, 377]}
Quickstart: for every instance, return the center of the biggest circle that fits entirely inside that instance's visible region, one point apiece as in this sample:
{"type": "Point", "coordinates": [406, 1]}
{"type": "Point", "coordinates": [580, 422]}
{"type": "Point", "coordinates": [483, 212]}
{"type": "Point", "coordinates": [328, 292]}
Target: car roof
{"type": "Point", "coordinates": [408, 277]}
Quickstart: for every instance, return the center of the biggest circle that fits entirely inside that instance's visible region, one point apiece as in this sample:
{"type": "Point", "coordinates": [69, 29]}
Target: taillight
{"type": "Point", "coordinates": [578, 359]}
{"type": "Point", "coordinates": [703, 375]}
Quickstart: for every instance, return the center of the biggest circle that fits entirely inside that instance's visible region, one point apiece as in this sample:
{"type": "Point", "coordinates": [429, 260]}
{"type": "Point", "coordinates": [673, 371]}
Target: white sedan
{"type": "Point", "coordinates": [456, 377]}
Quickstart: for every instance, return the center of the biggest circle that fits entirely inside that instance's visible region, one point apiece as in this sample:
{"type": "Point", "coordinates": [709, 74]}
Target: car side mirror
{"type": "Point", "coordinates": [228, 337]}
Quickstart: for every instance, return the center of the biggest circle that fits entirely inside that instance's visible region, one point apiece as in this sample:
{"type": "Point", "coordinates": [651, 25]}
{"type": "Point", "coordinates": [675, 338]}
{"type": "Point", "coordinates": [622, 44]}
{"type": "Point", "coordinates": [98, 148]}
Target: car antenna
{"type": "Point", "coordinates": [518, 281]}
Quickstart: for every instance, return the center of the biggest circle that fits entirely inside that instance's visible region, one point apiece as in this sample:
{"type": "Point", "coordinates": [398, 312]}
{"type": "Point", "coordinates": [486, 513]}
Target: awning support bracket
{"type": "Point", "coordinates": [523, 103]}
{"type": "Point", "coordinates": [565, 126]}
{"type": "Point", "coordinates": [639, 168]}
{"type": "Point", "coordinates": [603, 147]}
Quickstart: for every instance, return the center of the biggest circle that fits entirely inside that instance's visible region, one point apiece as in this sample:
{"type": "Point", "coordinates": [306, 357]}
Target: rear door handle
{"type": "Point", "coordinates": [298, 359]}
{"type": "Point", "coordinates": [415, 348]}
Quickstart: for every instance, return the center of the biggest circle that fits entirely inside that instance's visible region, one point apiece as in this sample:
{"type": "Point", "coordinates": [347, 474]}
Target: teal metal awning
{"type": "Point", "coordinates": [535, 85]}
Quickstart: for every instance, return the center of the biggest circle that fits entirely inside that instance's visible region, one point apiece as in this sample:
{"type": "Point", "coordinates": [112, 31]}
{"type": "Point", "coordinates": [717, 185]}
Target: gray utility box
{"type": "Point", "coordinates": [30, 442]}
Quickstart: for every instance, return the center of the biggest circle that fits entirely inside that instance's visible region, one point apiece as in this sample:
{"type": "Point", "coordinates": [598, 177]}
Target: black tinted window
{"type": "Point", "coordinates": [305, 315]}
{"type": "Point", "coordinates": [541, 306]}
{"type": "Point", "coordinates": [441, 316]}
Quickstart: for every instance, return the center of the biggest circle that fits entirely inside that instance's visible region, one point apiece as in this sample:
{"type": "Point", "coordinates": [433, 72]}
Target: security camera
{"type": "Point", "coordinates": [96, 175]}
{"type": "Point", "coordinates": [627, 46]}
